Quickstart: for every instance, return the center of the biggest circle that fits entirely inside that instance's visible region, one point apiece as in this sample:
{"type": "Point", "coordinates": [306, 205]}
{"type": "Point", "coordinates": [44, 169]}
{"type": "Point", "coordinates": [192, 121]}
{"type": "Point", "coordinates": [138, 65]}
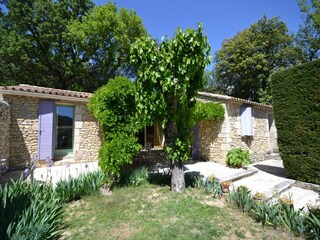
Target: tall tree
{"type": "Point", "coordinates": [244, 63]}
{"type": "Point", "coordinates": [169, 76]}
{"type": "Point", "coordinates": [39, 44]}
{"type": "Point", "coordinates": [308, 36]}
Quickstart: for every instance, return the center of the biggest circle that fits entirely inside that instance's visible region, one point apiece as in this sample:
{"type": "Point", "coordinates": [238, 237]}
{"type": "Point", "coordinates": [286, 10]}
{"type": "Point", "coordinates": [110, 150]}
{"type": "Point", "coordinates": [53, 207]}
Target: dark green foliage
{"type": "Point", "coordinates": [293, 220]}
{"type": "Point", "coordinates": [238, 157]}
{"type": "Point", "coordinates": [208, 111]}
{"type": "Point", "coordinates": [34, 211]}
{"type": "Point", "coordinates": [245, 62]}
{"type": "Point", "coordinates": [242, 198]}
{"type": "Point", "coordinates": [68, 44]}
{"type": "Point", "coordinates": [29, 211]}
{"type": "Point", "coordinates": [313, 226]}
{"type": "Point", "coordinates": [296, 105]}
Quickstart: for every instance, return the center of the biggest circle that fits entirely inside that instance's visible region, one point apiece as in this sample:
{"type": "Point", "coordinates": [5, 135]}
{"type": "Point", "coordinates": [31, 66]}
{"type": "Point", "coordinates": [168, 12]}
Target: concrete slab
{"type": "Point", "coordinates": [302, 197]}
{"type": "Point", "coordinates": [56, 173]}
{"type": "Point", "coordinates": [222, 172]}
{"type": "Point", "coordinates": [274, 167]}
{"type": "Point", "coordinates": [265, 183]}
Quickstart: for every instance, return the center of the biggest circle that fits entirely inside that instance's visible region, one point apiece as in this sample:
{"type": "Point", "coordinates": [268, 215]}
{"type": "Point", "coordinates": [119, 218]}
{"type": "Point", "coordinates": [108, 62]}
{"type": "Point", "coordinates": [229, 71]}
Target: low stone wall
{"type": "Point", "coordinates": [4, 135]}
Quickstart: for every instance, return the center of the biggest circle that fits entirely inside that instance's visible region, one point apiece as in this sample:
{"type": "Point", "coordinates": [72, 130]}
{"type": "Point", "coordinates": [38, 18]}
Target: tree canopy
{"type": "Point", "coordinates": [308, 36]}
{"type": "Point", "coordinates": [244, 63]}
{"type": "Point", "coordinates": [68, 44]}
{"type": "Point", "coordinates": [169, 75]}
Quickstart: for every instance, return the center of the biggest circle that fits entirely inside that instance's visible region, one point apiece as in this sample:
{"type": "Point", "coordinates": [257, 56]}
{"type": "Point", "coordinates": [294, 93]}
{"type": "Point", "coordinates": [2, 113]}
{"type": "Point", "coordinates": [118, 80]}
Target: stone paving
{"type": "Point", "coordinates": [267, 177]}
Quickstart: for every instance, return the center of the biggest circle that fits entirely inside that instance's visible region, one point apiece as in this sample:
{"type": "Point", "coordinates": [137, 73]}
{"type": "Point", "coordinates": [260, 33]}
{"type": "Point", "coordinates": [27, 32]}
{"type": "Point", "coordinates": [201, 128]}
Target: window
{"type": "Point", "coordinates": [64, 122]}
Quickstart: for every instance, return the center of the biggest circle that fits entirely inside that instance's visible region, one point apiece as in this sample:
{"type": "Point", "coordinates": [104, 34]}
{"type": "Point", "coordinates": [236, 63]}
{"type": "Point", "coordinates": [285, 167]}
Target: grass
{"type": "Point", "coordinates": [153, 212]}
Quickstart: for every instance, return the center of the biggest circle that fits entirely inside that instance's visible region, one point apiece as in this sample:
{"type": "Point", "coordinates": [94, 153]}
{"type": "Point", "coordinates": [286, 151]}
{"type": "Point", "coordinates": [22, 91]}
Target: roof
{"type": "Point", "coordinates": [233, 99]}
{"type": "Point", "coordinates": [35, 91]}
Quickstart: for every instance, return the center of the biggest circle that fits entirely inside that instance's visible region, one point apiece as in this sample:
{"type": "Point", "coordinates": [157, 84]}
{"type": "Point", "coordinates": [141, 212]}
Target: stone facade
{"type": "Point", "coordinates": [216, 139]}
{"type": "Point", "coordinates": [23, 131]}
{"type": "Point", "coordinates": [5, 119]}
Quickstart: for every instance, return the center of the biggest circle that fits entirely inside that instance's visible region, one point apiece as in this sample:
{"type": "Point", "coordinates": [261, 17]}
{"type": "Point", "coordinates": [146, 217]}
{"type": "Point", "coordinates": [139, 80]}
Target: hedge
{"type": "Point", "coordinates": [296, 106]}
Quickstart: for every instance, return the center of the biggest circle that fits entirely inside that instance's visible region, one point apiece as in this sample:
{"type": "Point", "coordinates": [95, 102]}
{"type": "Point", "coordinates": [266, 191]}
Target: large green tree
{"type": "Point", "coordinates": [169, 75]}
{"type": "Point", "coordinates": [67, 44]}
{"type": "Point", "coordinates": [308, 36]}
{"type": "Point", "coordinates": [244, 63]}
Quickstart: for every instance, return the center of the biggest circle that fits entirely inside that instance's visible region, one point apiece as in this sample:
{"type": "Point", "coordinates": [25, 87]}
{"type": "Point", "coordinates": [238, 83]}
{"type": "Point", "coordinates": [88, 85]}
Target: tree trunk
{"type": "Point", "coordinates": [177, 178]}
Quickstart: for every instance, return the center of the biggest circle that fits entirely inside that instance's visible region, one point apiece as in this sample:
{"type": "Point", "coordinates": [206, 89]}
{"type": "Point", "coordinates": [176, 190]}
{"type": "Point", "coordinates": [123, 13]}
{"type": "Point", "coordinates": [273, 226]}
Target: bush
{"type": "Point", "coordinates": [237, 157]}
{"type": "Point", "coordinates": [114, 154]}
{"type": "Point", "coordinates": [296, 106]}
{"type": "Point", "coordinates": [114, 107]}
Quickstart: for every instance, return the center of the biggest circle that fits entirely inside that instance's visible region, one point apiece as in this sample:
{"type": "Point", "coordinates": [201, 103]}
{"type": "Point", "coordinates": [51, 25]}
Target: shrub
{"type": "Point", "coordinates": [241, 196]}
{"type": "Point", "coordinates": [237, 157]}
{"type": "Point", "coordinates": [296, 98]}
{"type": "Point", "coordinates": [114, 154]}
{"type": "Point", "coordinates": [114, 107]}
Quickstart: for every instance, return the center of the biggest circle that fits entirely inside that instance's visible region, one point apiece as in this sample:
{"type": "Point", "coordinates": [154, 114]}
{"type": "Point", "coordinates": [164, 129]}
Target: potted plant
{"type": "Point", "coordinates": [238, 157]}
{"type": "Point", "coordinates": [259, 196]}
{"type": "Point", "coordinates": [225, 186]}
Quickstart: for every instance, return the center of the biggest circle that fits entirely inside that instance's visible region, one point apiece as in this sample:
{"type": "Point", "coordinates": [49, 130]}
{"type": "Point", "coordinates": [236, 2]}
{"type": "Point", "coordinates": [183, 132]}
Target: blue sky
{"type": "Point", "coordinates": [221, 18]}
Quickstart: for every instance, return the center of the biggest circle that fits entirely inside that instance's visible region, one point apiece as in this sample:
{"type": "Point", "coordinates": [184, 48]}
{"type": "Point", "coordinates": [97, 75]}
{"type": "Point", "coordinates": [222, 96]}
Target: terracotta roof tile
{"type": "Point", "coordinates": [45, 90]}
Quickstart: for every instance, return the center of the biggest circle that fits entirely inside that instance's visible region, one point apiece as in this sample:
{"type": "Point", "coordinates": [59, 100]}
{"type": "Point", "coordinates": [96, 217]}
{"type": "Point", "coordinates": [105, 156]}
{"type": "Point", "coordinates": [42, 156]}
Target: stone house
{"type": "Point", "coordinates": [247, 124]}
{"type": "Point", "coordinates": [56, 124]}
{"type": "Point", "coordinates": [46, 123]}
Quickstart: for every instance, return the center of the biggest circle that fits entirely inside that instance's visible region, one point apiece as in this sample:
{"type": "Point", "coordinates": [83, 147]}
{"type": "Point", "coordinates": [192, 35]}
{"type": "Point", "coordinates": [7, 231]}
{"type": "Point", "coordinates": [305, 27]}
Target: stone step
{"type": "Point", "coordinates": [302, 198]}
{"type": "Point", "coordinates": [239, 175]}
{"type": "Point", "coordinates": [265, 183]}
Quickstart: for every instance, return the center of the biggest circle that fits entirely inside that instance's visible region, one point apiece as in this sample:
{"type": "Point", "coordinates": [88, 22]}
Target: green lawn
{"type": "Point", "coordinates": [153, 212]}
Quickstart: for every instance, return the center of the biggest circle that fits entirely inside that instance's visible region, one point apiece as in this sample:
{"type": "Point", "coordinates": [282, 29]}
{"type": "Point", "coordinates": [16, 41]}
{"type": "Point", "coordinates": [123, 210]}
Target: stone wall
{"type": "Point", "coordinates": [23, 131]}
{"type": "Point", "coordinates": [258, 144]}
{"type": "Point", "coordinates": [87, 134]}
{"type": "Point", "coordinates": [216, 139]}
{"type": "Point", "coordinates": [4, 134]}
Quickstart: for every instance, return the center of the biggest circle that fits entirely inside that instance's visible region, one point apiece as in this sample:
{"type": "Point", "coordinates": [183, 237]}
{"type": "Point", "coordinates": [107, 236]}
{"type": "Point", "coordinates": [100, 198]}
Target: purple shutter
{"type": "Point", "coordinates": [46, 110]}
{"type": "Point", "coordinates": [195, 144]}
{"type": "Point", "coordinates": [246, 121]}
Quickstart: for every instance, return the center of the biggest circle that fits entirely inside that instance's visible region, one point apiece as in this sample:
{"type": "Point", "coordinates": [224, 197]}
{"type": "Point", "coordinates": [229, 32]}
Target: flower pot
{"type": "Point", "coordinates": [225, 189]}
